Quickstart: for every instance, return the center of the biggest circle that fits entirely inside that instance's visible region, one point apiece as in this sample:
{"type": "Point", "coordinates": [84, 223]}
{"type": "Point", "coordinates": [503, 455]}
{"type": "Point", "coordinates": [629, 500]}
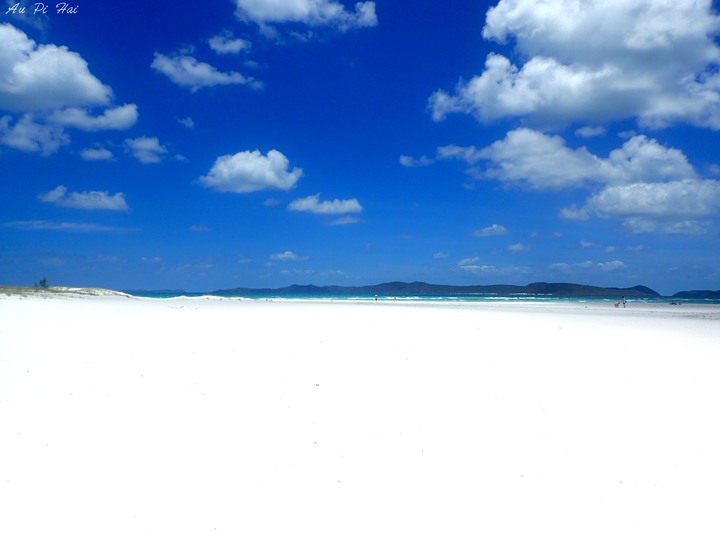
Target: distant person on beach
{"type": "Point", "coordinates": [623, 301]}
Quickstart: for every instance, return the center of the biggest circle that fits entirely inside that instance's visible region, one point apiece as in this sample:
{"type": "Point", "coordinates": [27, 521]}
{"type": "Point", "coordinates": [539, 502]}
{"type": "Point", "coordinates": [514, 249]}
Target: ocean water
{"type": "Point", "coordinates": [437, 298]}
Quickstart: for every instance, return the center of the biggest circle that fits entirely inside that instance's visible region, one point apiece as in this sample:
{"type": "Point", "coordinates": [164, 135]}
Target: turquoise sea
{"type": "Point", "coordinates": [435, 298]}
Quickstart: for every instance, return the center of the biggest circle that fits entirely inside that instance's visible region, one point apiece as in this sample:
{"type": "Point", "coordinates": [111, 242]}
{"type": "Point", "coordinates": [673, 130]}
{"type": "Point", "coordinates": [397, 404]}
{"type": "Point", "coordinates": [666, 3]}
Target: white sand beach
{"type": "Point", "coordinates": [126, 418]}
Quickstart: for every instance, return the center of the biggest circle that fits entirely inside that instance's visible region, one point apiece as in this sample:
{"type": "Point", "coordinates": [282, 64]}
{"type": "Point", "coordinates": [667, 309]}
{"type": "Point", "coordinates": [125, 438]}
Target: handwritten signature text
{"type": "Point", "coordinates": [40, 8]}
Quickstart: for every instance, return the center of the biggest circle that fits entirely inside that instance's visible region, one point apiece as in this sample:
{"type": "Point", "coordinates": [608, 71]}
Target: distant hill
{"type": "Point", "coordinates": [696, 295]}
{"type": "Point", "coordinates": [153, 292]}
{"type": "Point", "coordinates": [400, 288]}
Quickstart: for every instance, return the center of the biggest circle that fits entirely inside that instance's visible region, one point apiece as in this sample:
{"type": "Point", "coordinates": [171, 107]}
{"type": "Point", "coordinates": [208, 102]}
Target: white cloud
{"type": "Point", "coordinates": [86, 200]}
{"type": "Point", "coordinates": [287, 256]}
{"type": "Point", "coordinates": [686, 198]}
{"type": "Point", "coordinates": [491, 230]}
{"type": "Point", "coordinates": [588, 132]}
{"type": "Point", "coordinates": [408, 161]}
{"type": "Point", "coordinates": [188, 122]}
{"type": "Point", "coordinates": [607, 266]}
{"type": "Point", "coordinates": [533, 160]}
{"type": "Point", "coordinates": [672, 207]}
{"type": "Point", "coordinates": [250, 171]}
{"type": "Point", "coordinates": [645, 160]}
{"type": "Point", "coordinates": [470, 264]}
{"type": "Point", "coordinates": [96, 154]}
{"type": "Point", "coordinates": [518, 248]}
{"type": "Point", "coordinates": [49, 87]}
{"type": "Point", "coordinates": [560, 267]}
{"type": "Point", "coordinates": [64, 226]}
{"type": "Point", "coordinates": [313, 205]}
{"type": "Point", "coordinates": [596, 62]}
{"type": "Point", "coordinates": [585, 244]}
{"type": "Point", "coordinates": [539, 161]}
{"type": "Point", "coordinates": [185, 70]}
{"type": "Point", "coordinates": [36, 132]}
{"type": "Point", "coordinates": [225, 43]}
{"type": "Point", "coordinates": [574, 212]}
{"type": "Point", "coordinates": [309, 12]}
{"type": "Point", "coordinates": [650, 187]}
{"type": "Point", "coordinates": [473, 266]}
{"type": "Point", "coordinates": [28, 135]}
{"type": "Point", "coordinates": [542, 88]}
{"type": "Point", "coordinates": [345, 220]}
{"type": "Point", "coordinates": [470, 154]}
{"type": "Point", "coordinates": [121, 117]}
{"type": "Point", "coordinates": [146, 149]}
{"type": "Point", "coordinates": [440, 255]}
{"type": "Point", "coordinates": [44, 77]}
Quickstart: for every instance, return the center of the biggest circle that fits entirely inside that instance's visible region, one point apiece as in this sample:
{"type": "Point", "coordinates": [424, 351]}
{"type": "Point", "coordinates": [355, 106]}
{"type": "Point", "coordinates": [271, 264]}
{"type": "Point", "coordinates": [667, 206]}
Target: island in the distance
{"type": "Point", "coordinates": [695, 295]}
{"type": "Point", "coordinates": [400, 288]}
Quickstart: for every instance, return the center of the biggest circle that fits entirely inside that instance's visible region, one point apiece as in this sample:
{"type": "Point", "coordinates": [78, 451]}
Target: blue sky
{"type": "Point", "coordinates": [269, 142]}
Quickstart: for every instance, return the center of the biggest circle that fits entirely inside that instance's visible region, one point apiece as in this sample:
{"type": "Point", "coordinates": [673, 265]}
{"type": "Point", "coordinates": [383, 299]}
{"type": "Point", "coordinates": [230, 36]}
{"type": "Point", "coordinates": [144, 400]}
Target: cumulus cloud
{"type": "Point", "coordinates": [674, 207]}
{"type": "Point", "coordinates": [518, 248]}
{"type": "Point", "coordinates": [250, 171]}
{"type": "Point", "coordinates": [491, 230]}
{"type": "Point", "coordinates": [41, 77]}
{"type": "Point", "coordinates": [309, 12]}
{"type": "Point", "coordinates": [185, 70]}
{"type": "Point", "coordinates": [225, 43]}
{"type": "Point", "coordinates": [538, 161]}
{"type": "Point", "coordinates": [287, 256]}
{"type": "Point", "coordinates": [587, 132]}
{"type": "Point", "coordinates": [596, 62]}
{"type": "Point", "coordinates": [534, 160]}
{"type": "Point", "coordinates": [121, 117]}
{"type": "Point", "coordinates": [45, 133]}
{"type": "Point", "coordinates": [188, 122]}
{"type": "Point", "coordinates": [472, 265]}
{"type": "Point", "coordinates": [314, 205]}
{"type": "Point", "coordinates": [29, 135]}
{"type": "Point", "coordinates": [409, 161]}
{"type": "Point", "coordinates": [649, 186]}
{"type": "Point", "coordinates": [86, 200]}
{"type": "Point", "coordinates": [49, 88]}
{"type": "Point", "coordinates": [606, 266]}
{"type": "Point", "coordinates": [574, 212]}
{"type": "Point", "coordinates": [96, 154]}
{"type": "Point", "coordinates": [146, 149]}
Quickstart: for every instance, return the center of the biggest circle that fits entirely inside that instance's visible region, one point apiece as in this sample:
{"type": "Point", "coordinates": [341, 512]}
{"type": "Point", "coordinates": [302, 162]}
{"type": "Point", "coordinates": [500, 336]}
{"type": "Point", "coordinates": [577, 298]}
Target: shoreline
{"type": "Point", "coordinates": [700, 310]}
{"type": "Point", "coordinates": [368, 296]}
